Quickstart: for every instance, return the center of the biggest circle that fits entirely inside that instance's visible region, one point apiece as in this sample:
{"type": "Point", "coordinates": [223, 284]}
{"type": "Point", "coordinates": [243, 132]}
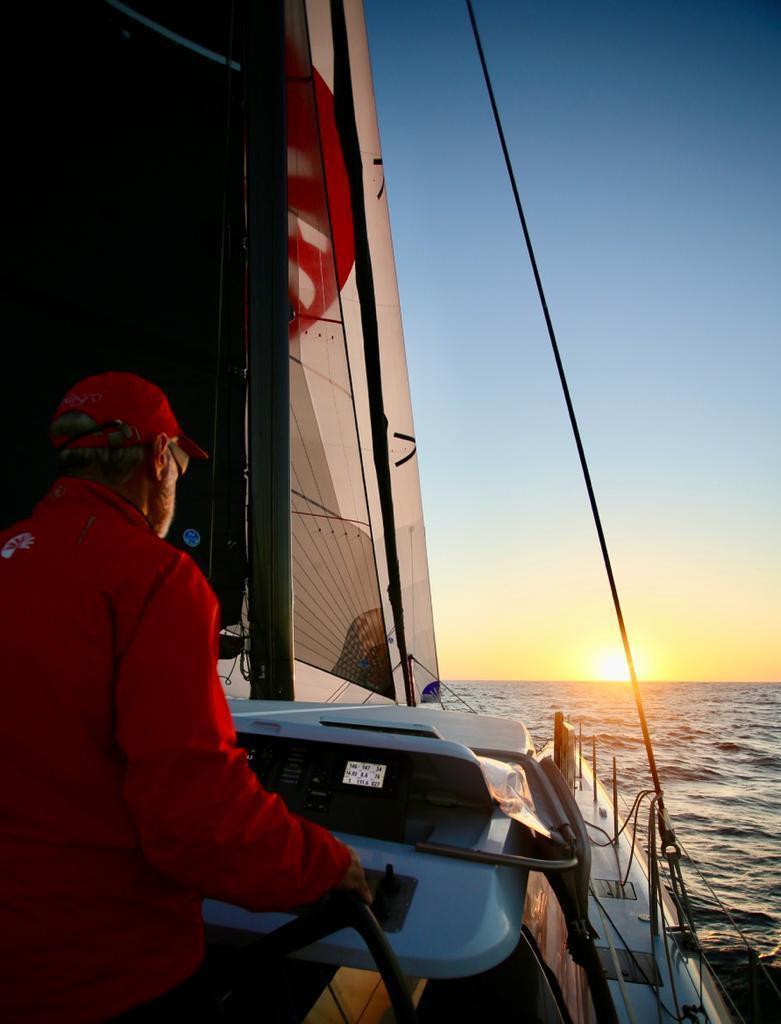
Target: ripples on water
{"type": "Point", "coordinates": [718, 751]}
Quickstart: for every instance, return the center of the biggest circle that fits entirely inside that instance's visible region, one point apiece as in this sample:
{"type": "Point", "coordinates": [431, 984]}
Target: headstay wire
{"type": "Point", "coordinates": [665, 825]}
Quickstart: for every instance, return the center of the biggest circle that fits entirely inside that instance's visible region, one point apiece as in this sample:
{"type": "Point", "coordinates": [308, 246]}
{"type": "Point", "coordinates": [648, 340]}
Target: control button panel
{"type": "Point", "coordinates": [345, 788]}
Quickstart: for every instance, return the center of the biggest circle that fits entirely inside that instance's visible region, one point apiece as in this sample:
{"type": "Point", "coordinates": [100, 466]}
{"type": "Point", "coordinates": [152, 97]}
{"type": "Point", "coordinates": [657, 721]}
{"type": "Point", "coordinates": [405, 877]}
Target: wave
{"type": "Point", "coordinates": [718, 748]}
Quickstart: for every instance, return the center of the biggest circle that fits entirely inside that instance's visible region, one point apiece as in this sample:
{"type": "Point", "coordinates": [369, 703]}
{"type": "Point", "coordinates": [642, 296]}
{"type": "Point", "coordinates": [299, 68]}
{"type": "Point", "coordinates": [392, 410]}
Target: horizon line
{"type": "Point", "coordinates": [715, 682]}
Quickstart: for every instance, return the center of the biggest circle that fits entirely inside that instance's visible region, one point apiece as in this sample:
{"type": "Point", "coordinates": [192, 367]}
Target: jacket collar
{"type": "Point", "coordinates": [72, 488]}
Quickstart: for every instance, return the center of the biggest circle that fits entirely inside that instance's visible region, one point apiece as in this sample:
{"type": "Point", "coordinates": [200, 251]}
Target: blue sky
{"type": "Point", "coordinates": [647, 149]}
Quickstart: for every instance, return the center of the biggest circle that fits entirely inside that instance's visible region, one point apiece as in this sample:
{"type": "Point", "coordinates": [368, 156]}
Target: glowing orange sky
{"type": "Point", "coordinates": [650, 185]}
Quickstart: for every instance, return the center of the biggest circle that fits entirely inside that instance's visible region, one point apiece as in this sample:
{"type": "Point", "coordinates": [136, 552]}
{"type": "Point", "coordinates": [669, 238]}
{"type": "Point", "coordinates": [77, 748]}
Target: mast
{"type": "Point", "coordinates": [270, 612]}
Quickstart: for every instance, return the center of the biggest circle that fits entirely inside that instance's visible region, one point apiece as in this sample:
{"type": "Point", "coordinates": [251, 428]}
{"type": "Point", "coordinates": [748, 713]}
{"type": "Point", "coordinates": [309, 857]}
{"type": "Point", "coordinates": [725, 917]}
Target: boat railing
{"type": "Point", "coordinates": [759, 981]}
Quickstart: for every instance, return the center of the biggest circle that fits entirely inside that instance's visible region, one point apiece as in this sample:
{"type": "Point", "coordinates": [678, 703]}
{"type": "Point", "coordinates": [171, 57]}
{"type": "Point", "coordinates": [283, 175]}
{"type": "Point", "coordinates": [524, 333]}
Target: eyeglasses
{"type": "Point", "coordinates": [181, 466]}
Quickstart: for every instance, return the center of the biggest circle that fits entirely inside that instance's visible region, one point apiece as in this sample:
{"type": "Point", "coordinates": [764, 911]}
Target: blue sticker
{"type": "Point", "coordinates": [191, 538]}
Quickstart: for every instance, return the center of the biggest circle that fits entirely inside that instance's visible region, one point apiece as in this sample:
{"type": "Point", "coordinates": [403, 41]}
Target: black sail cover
{"type": "Point", "coordinates": [117, 139]}
{"type": "Point", "coordinates": [124, 228]}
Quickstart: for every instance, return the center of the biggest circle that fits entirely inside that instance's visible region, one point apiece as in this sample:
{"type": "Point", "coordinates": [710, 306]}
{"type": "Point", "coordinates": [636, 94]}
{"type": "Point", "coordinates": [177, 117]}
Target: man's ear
{"type": "Point", "coordinates": [157, 457]}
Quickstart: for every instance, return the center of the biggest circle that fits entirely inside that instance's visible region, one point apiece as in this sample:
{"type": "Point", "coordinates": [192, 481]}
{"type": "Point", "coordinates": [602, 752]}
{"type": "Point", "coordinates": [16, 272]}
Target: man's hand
{"type": "Point", "coordinates": [354, 880]}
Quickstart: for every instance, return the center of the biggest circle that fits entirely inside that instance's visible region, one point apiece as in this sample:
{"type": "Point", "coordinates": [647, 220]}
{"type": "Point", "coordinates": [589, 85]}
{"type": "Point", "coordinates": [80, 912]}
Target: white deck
{"type": "Point", "coordinates": [623, 924]}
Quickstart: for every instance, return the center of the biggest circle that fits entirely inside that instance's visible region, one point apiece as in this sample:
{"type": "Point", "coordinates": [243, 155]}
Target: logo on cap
{"type": "Point", "coordinates": [21, 541]}
{"type": "Point", "coordinates": [73, 399]}
{"type": "Point", "coordinates": [191, 538]}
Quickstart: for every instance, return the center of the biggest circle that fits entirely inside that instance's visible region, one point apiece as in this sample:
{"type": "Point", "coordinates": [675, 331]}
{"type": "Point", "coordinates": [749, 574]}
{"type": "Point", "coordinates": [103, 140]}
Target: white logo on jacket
{"type": "Point", "coordinates": [21, 541]}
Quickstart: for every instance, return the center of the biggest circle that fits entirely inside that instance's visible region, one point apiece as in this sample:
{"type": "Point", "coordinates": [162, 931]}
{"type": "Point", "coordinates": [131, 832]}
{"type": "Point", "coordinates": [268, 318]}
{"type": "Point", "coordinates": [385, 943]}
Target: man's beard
{"type": "Point", "coordinates": [162, 503]}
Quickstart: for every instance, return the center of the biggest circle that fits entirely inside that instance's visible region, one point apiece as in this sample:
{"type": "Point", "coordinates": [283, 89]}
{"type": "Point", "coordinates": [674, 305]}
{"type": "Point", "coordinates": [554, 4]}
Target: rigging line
{"type": "Point", "coordinates": [343, 1015]}
{"type": "Point", "coordinates": [656, 881]}
{"type": "Point", "coordinates": [591, 824]}
{"type": "Point", "coordinates": [174, 37]}
{"type": "Point", "coordinates": [417, 662]}
{"type": "Point", "coordinates": [632, 957]}
{"type": "Point", "coordinates": [720, 904]}
{"type": "Point", "coordinates": [458, 697]}
{"type": "Point", "coordinates": [634, 840]}
{"type": "Point", "coordinates": [723, 990]}
{"type": "Point", "coordinates": [221, 285]}
{"type": "Point", "coordinates": [627, 819]}
{"type": "Point", "coordinates": [668, 835]}
{"type": "Point", "coordinates": [617, 967]}
{"type": "Point", "coordinates": [413, 630]}
{"type": "Point", "coordinates": [368, 1001]}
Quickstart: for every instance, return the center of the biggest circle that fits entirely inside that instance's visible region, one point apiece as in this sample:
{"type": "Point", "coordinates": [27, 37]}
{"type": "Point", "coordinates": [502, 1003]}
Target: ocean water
{"type": "Point", "coordinates": [718, 751]}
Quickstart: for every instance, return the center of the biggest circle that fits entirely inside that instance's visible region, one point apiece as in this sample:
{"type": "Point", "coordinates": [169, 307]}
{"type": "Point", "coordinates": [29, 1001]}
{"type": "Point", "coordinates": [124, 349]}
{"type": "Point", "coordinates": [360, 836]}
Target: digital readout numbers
{"type": "Point", "coordinates": [363, 773]}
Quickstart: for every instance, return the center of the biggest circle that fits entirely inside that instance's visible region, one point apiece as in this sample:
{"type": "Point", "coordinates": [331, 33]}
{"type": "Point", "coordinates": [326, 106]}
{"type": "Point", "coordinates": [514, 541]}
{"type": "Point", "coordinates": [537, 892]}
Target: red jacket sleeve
{"type": "Point", "coordinates": [203, 818]}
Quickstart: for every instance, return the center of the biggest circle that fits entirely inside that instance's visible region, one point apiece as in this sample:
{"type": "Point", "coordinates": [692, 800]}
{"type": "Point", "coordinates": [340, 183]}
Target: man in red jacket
{"type": "Point", "coordinates": [124, 800]}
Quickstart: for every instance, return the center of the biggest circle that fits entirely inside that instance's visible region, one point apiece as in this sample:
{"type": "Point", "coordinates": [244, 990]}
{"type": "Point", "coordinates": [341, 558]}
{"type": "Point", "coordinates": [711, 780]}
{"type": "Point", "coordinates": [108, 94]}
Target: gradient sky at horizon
{"type": "Point", "coordinates": [647, 149]}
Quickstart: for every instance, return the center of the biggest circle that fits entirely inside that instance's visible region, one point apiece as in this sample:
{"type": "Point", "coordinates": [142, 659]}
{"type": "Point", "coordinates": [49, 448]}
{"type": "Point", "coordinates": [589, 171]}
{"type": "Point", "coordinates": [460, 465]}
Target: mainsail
{"type": "Point", "coordinates": [409, 530]}
{"type": "Point", "coordinates": [339, 625]}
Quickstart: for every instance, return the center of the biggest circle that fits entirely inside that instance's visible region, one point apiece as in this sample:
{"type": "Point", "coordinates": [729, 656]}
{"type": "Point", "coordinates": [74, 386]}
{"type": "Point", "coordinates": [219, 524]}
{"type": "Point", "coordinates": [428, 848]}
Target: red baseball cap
{"type": "Point", "coordinates": [127, 409]}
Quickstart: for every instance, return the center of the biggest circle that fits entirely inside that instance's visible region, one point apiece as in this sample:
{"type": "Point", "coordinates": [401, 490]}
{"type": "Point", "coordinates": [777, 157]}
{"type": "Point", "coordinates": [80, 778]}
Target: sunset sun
{"type": "Point", "coordinates": [611, 667]}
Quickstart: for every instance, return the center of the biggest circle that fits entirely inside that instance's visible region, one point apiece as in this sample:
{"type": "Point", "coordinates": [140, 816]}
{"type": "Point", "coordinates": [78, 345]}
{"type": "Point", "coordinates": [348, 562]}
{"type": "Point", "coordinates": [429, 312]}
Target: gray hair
{"type": "Point", "coordinates": [106, 465]}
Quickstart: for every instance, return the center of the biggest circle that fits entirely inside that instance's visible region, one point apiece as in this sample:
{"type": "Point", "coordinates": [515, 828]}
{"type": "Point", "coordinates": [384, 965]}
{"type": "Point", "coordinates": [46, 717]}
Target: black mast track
{"type": "Point", "coordinates": [344, 109]}
{"type": "Point", "coordinates": [268, 356]}
{"type": "Point", "coordinates": [668, 836]}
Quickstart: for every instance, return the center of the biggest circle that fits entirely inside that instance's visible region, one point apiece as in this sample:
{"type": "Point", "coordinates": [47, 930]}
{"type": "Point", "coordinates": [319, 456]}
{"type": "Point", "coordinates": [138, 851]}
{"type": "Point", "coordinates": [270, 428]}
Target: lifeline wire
{"type": "Point", "coordinates": [720, 904]}
{"type": "Point", "coordinates": [668, 836]}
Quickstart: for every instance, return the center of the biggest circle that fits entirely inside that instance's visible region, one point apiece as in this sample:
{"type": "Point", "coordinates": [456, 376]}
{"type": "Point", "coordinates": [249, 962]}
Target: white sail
{"type": "Point", "coordinates": [339, 626]}
{"type": "Point", "coordinates": [410, 534]}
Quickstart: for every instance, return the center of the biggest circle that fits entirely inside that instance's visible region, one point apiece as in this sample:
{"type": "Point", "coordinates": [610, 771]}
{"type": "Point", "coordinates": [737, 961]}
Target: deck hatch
{"type": "Point", "coordinates": [609, 888]}
{"type": "Point", "coordinates": [637, 968]}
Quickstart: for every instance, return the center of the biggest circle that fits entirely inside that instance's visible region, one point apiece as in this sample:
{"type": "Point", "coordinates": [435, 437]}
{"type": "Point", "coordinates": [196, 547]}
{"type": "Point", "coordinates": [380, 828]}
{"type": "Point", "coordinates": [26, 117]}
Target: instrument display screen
{"type": "Point", "coordinates": [364, 773]}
